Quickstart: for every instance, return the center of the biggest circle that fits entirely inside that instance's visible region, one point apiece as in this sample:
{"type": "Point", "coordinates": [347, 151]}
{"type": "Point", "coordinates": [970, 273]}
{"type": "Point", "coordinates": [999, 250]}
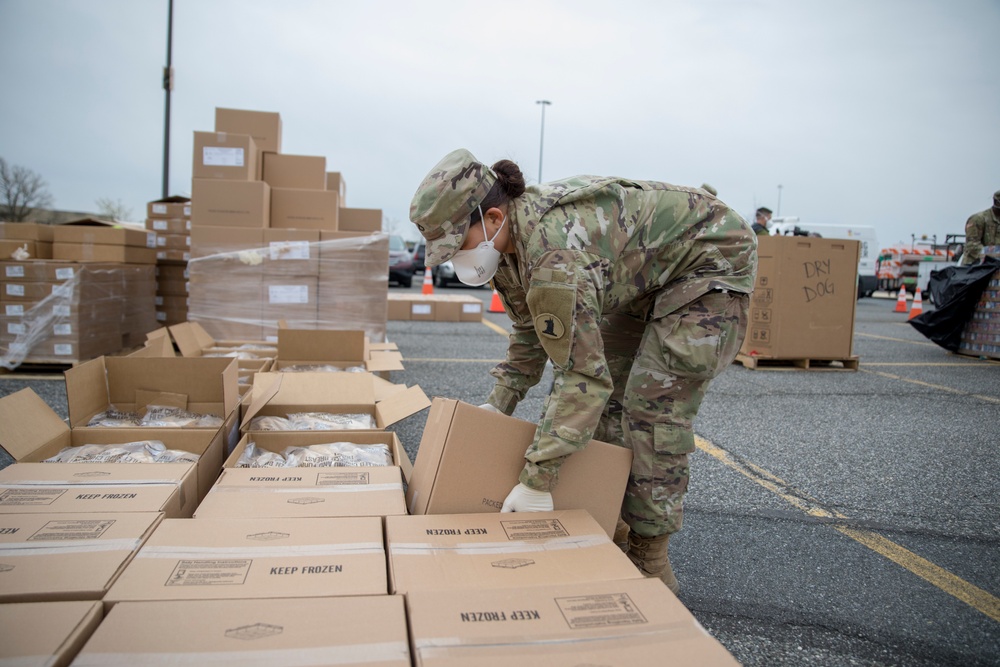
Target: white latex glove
{"type": "Point", "coordinates": [525, 499]}
{"type": "Point", "coordinates": [487, 406]}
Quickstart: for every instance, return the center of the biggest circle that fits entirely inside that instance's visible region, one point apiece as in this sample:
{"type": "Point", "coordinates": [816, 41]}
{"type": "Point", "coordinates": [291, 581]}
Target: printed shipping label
{"type": "Point", "coordinates": [160, 225]}
{"type": "Point", "coordinates": [63, 349]}
{"type": "Point", "coordinates": [64, 274]}
{"type": "Point", "coordinates": [534, 529]}
{"type": "Point", "coordinates": [288, 293]}
{"type": "Point", "coordinates": [15, 271]}
{"type": "Point", "coordinates": [215, 156]}
{"type": "Point", "coordinates": [15, 309]}
{"type": "Point", "coordinates": [17, 328]}
{"type": "Point", "coordinates": [15, 290]}
{"type": "Point", "coordinates": [160, 208]}
{"type": "Point", "coordinates": [337, 478]}
{"type": "Point", "coordinates": [30, 496]}
{"type": "Point", "coordinates": [472, 307]}
{"type": "Point", "coordinates": [63, 329]}
{"type": "Point", "coordinates": [82, 529]}
{"type": "Point", "coordinates": [420, 309]}
{"type": "Point", "coordinates": [230, 572]}
{"type": "Point", "coordinates": [151, 239]}
{"type": "Point", "coordinates": [597, 611]}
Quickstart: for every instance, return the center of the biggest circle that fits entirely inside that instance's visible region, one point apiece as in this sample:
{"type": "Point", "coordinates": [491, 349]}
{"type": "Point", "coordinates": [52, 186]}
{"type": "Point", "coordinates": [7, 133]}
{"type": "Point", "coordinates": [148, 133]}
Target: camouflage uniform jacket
{"type": "Point", "coordinates": [587, 247]}
{"type": "Point", "coordinates": [982, 229]}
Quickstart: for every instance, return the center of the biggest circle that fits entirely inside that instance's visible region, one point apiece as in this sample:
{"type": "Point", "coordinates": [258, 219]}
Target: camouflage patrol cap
{"type": "Point", "coordinates": [446, 198]}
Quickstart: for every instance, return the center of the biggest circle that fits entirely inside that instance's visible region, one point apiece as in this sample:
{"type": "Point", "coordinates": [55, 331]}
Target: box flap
{"type": "Point", "coordinates": [384, 361]}
{"type": "Point", "coordinates": [384, 389]}
{"type": "Point", "coordinates": [400, 406]}
{"type": "Point", "coordinates": [205, 339]}
{"type": "Point", "coordinates": [320, 345]}
{"type": "Point", "coordinates": [86, 390]}
{"type": "Point", "coordinates": [265, 386]}
{"type": "Point", "coordinates": [28, 423]}
{"type": "Point", "coordinates": [187, 342]}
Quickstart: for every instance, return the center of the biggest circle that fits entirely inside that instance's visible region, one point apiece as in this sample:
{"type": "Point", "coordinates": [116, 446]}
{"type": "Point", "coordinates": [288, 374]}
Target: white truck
{"type": "Point", "coordinates": [867, 281]}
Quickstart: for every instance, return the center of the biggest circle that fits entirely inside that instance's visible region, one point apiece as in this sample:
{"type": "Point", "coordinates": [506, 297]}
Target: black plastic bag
{"type": "Point", "coordinates": [955, 291]}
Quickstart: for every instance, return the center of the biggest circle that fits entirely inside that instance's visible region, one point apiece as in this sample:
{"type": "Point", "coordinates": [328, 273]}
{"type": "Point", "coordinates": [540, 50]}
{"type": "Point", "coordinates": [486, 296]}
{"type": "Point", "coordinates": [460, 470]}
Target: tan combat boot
{"type": "Point", "coordinates": [621, 535]}
{"type": "Point", "coordinates": [649, 554]}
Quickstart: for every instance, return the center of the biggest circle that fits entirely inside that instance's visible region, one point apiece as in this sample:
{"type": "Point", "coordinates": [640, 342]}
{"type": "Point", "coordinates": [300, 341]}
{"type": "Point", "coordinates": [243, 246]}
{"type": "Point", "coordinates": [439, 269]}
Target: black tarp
{"type": "Point", "coordinates": [955, 291]}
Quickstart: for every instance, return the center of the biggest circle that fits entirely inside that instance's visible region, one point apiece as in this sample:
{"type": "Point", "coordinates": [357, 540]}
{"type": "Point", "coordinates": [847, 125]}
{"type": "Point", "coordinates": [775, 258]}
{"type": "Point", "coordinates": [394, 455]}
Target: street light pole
{"type": "Point", "coordinates": [168, 85]}
{"type": "Point", "coordinates": [778, 214]}
{"type": "Point", "coordinates": [541, 141]}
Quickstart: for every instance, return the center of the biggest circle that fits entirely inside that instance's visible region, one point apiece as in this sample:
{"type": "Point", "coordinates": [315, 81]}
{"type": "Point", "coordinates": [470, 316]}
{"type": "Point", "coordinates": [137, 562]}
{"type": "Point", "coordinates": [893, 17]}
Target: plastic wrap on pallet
{"type": "Point", "coordinates": [71, 312]}
{"type": "Point", "coordinates": [243, 293]}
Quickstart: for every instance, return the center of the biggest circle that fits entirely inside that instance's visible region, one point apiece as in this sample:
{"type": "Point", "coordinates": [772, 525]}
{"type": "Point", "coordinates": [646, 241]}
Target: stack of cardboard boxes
{"type": "Point", "coordinates": [170, 219]}
{"type": "Point", "coordinates": [981, 335]}
{"type": "Point", "coordinates": [95, 297]}
{"type": "Point", "coordinates": [271, 239]}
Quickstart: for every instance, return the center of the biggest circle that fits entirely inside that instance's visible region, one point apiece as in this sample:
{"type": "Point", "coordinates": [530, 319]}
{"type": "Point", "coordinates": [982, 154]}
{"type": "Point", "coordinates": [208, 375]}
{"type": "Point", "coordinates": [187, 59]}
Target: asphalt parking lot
{"type": "Point", "coordinates": [833, 518]}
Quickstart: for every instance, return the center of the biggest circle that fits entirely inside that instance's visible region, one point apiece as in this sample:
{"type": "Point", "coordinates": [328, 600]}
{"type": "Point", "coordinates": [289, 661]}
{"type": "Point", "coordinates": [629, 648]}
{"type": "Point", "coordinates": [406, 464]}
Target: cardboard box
{"type": "Point", "coordinates": [223, 203]}
{"type": "Point", "coordinates": [169, 208]}
{"type": "Point", "coordinates": [68, 556]}
{"type": "Point", "coordinates": [303, 492]}
{"type": "Point", "coordinates": [289, 298]}
{"type": "Point", "coordinates": [170, 225]}
{"type": "Point", "coordinates": [344, 631]}
{"type": "Point", "coordinates": [279, 394]}
{"type": "Point", "coordinates": [804, 299]}
{"type": "Point", "coordinates": [360, 219]}
{"type": "Point", "coordinates": [102, 232]}
{"type": "Point", "coordinates": [241, 559]}
{"type": "Point", "coordinates": [207, 241]}
{"type": "Point", "coordinates": [194, 341]}
{"type": "Point", "coordinates": [46, 633]}
{"type": "Point", "coordinates": [342, 349]}
{"type": "Point", "coordinates": [263, 126]}
{"type": "Point", "coordinates": [627, 622]}
{"type": "Point", "coordinates": [173, 256]}
{"type": "Point", "coordinates": [293, 208]}
{"type": "Point", "coordinates": [477, 551]}
{"type": "Point", "coordinates": [469, 459]}
{"type": "Point", "coordinates": [435, 307]}
{"type": "Point", "coordinates": [225, 156]}
{"type": "Point", "coordinates": [292, 252]}
{"type": "Point", "coordinates": [25, 231]}
{"type": "Point", "coordinates": [295, 171]}
{"type": "Point", "coordinates": [92, 252]}
{"type": "Point", "coordinates": [335, 182]}
{"type": "Point", "coordinates": [173, 241]}
{"type": "Point", "coordinates": [25, 249]}
{"type": "Point", "coordinates": [97, 488]}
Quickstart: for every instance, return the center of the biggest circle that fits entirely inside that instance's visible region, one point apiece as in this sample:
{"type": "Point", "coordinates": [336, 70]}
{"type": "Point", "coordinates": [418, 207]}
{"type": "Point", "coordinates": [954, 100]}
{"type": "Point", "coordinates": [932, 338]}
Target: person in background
{"type": "Point", "coordinates": [982, 229]}
{"type": "Point", "coordinates": [637, 291]}
{"type": "Point", "coordinates": [761, 218]}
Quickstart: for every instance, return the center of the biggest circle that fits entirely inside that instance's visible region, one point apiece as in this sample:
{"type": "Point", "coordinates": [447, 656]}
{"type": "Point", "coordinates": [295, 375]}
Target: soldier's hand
{"type": "Point", "coordinates": [525, 499]}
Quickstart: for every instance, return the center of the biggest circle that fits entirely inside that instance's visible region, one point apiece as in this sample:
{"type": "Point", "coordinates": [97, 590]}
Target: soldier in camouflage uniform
{"type": "Point", "coordinates": [637, 291]}
{"type": "Point", "coordinates": [982, 229]}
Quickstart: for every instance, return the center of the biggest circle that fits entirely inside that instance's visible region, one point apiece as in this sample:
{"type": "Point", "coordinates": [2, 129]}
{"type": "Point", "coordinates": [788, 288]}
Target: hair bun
{"type": "Point", "coordinates": [510, 178]}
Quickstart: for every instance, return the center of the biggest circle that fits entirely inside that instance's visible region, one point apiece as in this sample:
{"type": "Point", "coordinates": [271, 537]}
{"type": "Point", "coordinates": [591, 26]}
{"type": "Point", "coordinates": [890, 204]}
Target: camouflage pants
{"type": "Point", "coordinates": [661, 370]}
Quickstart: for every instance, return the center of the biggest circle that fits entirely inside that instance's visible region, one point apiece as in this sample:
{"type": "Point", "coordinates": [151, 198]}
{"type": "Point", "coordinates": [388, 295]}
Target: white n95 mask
{"type": "Point", "coordinates": [478, 265]}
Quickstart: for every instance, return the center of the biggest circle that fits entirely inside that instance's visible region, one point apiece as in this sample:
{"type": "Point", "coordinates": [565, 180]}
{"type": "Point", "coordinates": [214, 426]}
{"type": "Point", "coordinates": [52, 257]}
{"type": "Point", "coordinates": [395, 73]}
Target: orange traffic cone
{"type": "Point", "coordinates": [917, 307]}
{"type": "Point", "coordinates": [496, 305]}
{"type": "Point", "coordinates": [428, 287]}
{"type": "Point", "coordinates": [901, 300]}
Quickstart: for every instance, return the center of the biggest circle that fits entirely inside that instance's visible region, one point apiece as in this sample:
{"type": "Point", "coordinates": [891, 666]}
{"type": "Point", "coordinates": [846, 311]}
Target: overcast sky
{"type": "Point", "coordinates": [879, 112]}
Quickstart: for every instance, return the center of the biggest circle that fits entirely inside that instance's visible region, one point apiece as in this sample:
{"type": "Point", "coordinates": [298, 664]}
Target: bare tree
{"type": "Point", "coordinates": [113, 209]}
{"type": "Point", "coordinates": [21, 190]}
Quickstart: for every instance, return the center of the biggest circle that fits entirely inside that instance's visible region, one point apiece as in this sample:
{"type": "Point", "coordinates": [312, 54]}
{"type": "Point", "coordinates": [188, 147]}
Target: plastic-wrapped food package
{"type": "Point", "coordinates": [171, 417]}
{"type": "Point", "coordinates": [114, 418]}
{"type": "Point", "coordinates": [142, 451]}
{"type": "Point", "coordinates": [326, 421]}
{"type": "Point", "coordinates": [322, 368]}
{"type": "Point", "coordinates": [235, 354]}
{"type": "Point", "coordinates": [253, 457]}
{"type": "Point", "coordinates": [336, 454]}
{"type": "Point", "coordinates": [269, 423]}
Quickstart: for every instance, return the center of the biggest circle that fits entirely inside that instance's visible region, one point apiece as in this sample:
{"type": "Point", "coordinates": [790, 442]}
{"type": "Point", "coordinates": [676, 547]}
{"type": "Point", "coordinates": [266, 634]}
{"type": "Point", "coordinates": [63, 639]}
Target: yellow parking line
{"type": "Point", "coordinates": [942, 579]}
{"type": "Point", "coordinates": [898, 340]}
{"type": "Point", "coordinates": [988, 399]}
{"type": "Point", "coordinates": [972, 363]}
{"type": "Point", "coordinates": [496, 327]}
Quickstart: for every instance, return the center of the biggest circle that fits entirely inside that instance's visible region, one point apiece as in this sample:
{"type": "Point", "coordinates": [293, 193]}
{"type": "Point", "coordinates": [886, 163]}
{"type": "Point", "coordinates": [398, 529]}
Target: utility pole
{"type": "Point", "coordinates": [541, 142]}
{"type": "Point", "coordinates": [168, 85]}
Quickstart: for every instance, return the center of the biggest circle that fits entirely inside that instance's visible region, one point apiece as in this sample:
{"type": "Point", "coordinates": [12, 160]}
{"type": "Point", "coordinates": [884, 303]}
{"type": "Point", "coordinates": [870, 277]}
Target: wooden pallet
{"type": "Point", "coordinates": [39, 368]}
{"type": "Point", "coordinates": [807, 364]}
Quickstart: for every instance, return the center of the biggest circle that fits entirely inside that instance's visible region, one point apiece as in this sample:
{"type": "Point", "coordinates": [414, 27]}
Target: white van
{"type": "Point", "coordinates": [867, 281]}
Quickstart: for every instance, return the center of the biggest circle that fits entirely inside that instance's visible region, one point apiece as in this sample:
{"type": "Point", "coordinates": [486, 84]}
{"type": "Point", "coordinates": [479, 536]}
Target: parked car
{"type": "Point", "coordinates": [400, 262]}
{"type": "Point", "coordinates": [418, 258]}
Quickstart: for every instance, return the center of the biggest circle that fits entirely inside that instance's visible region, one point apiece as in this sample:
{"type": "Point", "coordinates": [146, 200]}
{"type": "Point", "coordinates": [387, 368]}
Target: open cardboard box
{"type": "Point", "coordinates": [337, 348]}
{"type": "Point", "coordinates": [72, 556]}
{"type": "Point", "coordinates": [213, 559]}
{"type": "Point", "coordinates": [279, 394]}
{"type": "Point", "coordinates": [310, 491]}
{"type": "Point", "coordinates": [193, 341]}
{"type": "Point", "coordinates": [469, 459]}
{"type": "Point", "coordinates": [474, 551]}
{"type": "Point", "coordinates": [626, 622]}
{"type": "Point", "coordinates": [354, 630]}
{"type": "Point", "coordinates": [46, 633]}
